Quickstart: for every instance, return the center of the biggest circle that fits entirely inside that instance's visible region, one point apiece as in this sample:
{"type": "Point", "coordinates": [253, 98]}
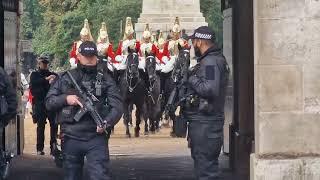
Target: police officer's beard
{"type": "Point", "coordinates": [197, 51]}
{"type": "Point", "coordinates": [87, 69]}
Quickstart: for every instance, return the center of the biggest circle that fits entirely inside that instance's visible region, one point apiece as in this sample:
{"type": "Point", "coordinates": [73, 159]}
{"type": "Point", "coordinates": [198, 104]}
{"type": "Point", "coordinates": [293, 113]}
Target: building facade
{"type": "Point", "coordinates": [287, 90]}
{"type": "Point", "coordinates": [276, 65]}
{"type": "Point", "coordinates": [161, 15]}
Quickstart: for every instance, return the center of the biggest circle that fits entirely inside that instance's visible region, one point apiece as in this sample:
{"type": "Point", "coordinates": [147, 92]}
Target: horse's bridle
{"type": "Point", "coordinates": [130, 77]}
{"type": "Point", "coordinates": [151, 83]}
{"type": "Point", "coordinates": [186, 52]}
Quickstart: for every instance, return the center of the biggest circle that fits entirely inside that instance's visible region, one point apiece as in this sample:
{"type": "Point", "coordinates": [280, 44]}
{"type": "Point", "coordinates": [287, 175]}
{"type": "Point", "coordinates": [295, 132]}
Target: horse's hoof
{"type": "Point", "coordinates": [128, 135]}
{"type": "Point", "coordinates": [172, 134]}
{"type": "Point", "coordinates": [136, 134]}
{"type": "Point", "coordinates": [153, 132]}
{"type": "Point", "coordinates": [146, 133]}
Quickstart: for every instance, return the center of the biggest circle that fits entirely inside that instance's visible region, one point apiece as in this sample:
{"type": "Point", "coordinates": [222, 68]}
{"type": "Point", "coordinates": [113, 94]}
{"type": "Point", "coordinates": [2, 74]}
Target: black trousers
{"type": "Point", "coordinates": [1, 135]}
{"type": "Point", "coordinates": [3, 160]}
{"type": "Point", "coordinates": [40, 116]}
{"type": "Point", "coordinates": [205, 141]}
{"type": "Point", "coordinates": [96, 152]}
{"type": "Point", "coordinates": [163, 78]}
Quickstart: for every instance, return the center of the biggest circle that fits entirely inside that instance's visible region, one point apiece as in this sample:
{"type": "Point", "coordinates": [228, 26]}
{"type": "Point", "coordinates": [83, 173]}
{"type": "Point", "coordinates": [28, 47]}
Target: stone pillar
{"type": "Point", "coordinates": [287, 90]}
{"type": "Point", "coordinates": [11, 57]}
{"type": "Point", "coordinates": [161, 15]}
{"type": "Point", "coordinates": [227, 52]}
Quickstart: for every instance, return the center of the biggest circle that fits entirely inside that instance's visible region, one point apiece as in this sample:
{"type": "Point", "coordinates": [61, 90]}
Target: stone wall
{"type": "Point", "coordinates": [227, 52]}
{"type": "Point", "coordinates": [287, 90]}
{"type": "Point", "coordinates": [10, 65]}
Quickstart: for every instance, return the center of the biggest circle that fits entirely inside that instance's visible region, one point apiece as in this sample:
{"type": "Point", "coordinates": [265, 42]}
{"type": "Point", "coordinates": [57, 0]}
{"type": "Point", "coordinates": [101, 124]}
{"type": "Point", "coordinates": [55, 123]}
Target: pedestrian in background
{"type": "Point", "coordinates": [40, 81]}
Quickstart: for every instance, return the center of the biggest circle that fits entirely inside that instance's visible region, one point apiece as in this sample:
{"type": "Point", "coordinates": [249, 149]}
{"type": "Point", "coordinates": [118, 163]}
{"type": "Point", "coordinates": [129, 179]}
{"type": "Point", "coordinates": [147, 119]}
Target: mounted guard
{"type": "Point", "coordinates": [176, 39]}
{"type": "Point", "coordinates": [85, 35]}
{"type": "Point", "coordinates": [105, 48]}
{"type": "Point", "coordinates": [162, 53]}
{"type": "Point", "coordinates": [146, 47]}
{"type": "Point", "coordinates": [127, 42]}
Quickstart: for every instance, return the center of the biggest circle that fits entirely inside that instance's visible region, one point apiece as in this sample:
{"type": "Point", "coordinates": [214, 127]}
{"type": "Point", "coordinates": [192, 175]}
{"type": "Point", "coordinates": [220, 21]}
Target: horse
{"type": "Point", "coordinates": [133, 91]}
{"type": "Point", "coordinates": [153, 93]}
{"type": "Point", "coordinates": [181, 62]}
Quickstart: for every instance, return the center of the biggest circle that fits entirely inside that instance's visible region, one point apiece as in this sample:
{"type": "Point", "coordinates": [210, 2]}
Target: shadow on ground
{"type": "Point", "coordinates": [29, 167]}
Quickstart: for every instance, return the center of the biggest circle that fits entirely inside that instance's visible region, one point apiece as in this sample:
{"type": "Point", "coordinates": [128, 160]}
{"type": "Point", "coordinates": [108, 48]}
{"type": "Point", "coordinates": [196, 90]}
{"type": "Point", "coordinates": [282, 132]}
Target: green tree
{"type": "Point", "coordinates": [32, 18]}
{"type": "Point", "coordinates": [55, 24]}
{"type": "Point", "coordinates": [62, 30]}
{"type": "Point", "coordinates": [211, 10]}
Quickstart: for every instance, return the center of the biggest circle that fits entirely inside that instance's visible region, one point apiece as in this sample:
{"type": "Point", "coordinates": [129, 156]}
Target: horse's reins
{"type": "Point", "coordinates": [131, 89]}
{"type": "Point", "coordinates": [151, 85]}
{"type": "Point", "coordinates": [173, 76]}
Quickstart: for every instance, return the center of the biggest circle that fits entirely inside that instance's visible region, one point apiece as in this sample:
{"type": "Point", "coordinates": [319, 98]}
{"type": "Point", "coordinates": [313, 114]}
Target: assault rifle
{"type": "Point", "coordinates": [178, 94]}
{"type": "Point", "coordinates": [87, 99]}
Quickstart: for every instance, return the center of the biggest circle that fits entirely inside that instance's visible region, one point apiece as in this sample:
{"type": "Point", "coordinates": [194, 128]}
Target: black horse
{"type": "Point", "coordinates": [153, 93]}
{"type": "Point", "coordinates": [133, 91]}
{"type": "Point", "coordinates": [173, 78]}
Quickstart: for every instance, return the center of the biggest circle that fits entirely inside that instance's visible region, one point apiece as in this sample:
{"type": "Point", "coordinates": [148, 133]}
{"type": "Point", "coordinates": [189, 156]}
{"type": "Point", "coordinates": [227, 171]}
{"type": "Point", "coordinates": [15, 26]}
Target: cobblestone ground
{"type": "Point", "coordinates": [153, 157]}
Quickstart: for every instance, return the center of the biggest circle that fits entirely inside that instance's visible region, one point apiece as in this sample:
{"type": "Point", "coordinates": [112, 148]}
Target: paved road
{"type": "Point", "coordinates": [153, 157]}
{"type": "Point", "coordinates": [31, 167]}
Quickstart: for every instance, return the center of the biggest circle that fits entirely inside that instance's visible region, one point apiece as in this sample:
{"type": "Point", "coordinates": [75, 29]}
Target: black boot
{"type": "Point", "coordinates": [5, 160]}
{"type": "Point", "coordinates": [57, 155]}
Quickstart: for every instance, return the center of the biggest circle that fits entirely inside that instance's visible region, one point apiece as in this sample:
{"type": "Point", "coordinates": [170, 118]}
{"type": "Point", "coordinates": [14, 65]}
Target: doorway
{"type": "Point", "coordinates": [239, 50]}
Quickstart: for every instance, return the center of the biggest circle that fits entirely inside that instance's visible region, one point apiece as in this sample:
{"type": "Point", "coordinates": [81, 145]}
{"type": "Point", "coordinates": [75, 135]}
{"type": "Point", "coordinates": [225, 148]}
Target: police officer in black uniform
{"type": "Point", "coordinates": [205, 109]}
{"type": "Point", "coordinates": [8, 110]}
{"type": "Point", "coordinates": [8, 96]}
{"type": "Point", "coordinates": [40, 81]}
{"type": "Point", "coordinates": [84, 138]}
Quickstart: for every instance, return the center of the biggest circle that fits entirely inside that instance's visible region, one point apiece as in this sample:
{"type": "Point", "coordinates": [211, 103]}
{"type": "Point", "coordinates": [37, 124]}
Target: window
{"type": "Point", "coordinates": [226, 4]}
{"type": "Point", "coordinates": [10, 5]}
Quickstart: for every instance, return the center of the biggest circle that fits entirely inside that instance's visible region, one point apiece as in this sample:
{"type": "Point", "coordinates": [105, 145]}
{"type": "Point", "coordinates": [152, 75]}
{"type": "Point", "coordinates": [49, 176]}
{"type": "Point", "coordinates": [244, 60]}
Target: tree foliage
{"type": "Point", "coordinates": [32, 18]}
{"type": "Point", "coordinates": [211, 10]}
{"type": "Point", "coordinates": [53, 25]}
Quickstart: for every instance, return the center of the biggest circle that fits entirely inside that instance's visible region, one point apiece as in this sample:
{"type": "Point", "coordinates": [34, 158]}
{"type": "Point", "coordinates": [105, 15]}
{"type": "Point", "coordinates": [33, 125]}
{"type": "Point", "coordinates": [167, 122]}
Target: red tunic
{"type": "Point", "coordinates": [73, 52]}
{"type": "Point", "coordinates": [120, 48]}
{"type": "Point", "coordinates": [109, 52]}
{"type": "Point", "coordinates": [164, 53]}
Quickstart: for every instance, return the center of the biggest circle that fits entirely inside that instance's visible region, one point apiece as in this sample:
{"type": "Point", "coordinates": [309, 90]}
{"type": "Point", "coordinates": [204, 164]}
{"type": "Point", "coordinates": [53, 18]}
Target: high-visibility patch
{"type": "Point", "coordinates": [210, 74]}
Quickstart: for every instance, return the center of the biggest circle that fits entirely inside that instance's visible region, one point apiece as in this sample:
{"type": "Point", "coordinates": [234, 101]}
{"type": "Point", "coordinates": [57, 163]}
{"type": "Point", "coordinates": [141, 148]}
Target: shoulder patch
{"type": "Point", "coordinates": [210, 72]}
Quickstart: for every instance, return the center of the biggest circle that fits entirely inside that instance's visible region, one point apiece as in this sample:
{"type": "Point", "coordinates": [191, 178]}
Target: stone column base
{"type": "Point", "coordinates": [307, 168]}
